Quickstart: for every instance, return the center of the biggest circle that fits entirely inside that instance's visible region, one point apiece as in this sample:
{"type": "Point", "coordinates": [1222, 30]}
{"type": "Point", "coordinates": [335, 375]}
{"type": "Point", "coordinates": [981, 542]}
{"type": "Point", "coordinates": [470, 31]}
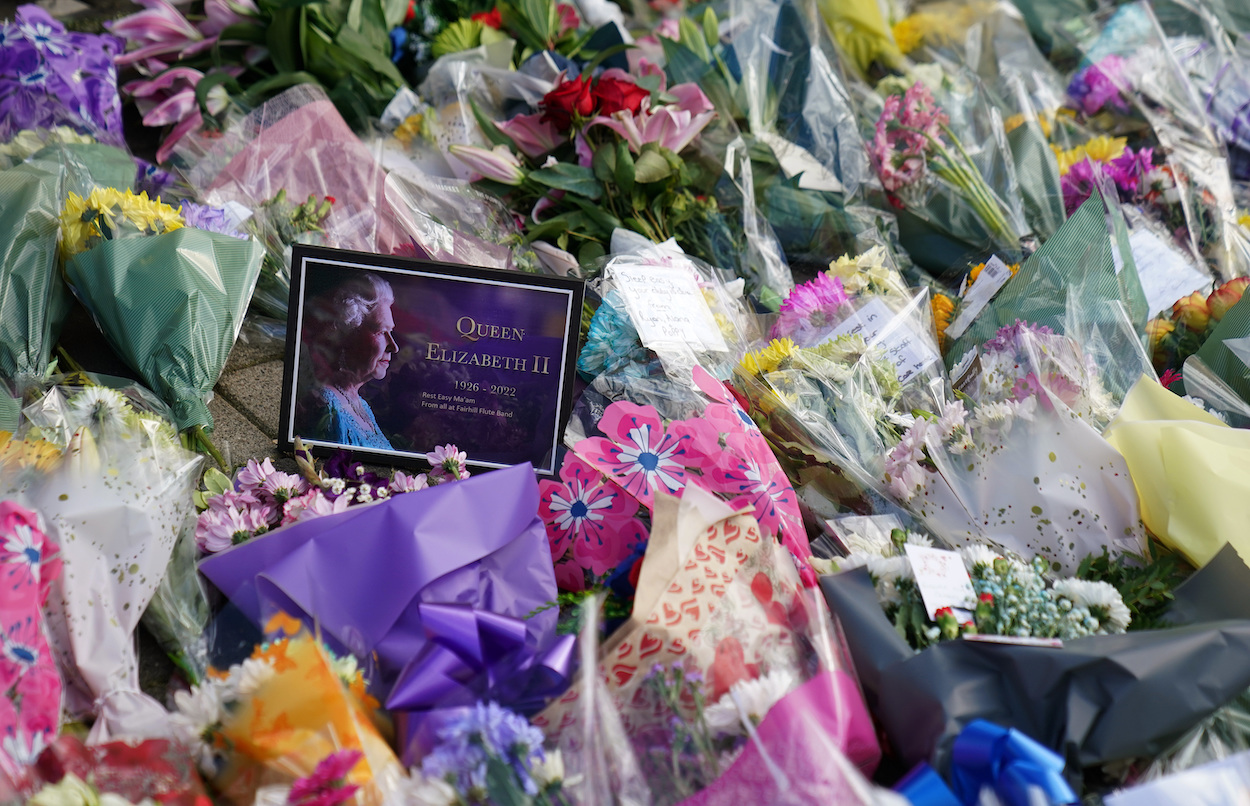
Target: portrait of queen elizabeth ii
{"type": "Point", "coordinates": [348, 343]}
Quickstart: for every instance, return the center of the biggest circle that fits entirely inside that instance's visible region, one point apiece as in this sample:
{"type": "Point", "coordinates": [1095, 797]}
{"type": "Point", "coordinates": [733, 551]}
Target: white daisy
{"type": "Point", "coordinates": [198, 713]}
{"type": "Point", "coordinates": [247, 677]}
{"type": "Point", "coordinates": [98, 406]}
{"type": "Point", "coordinates": [752, 699]}
{"type": "Point", "coordinates": [978, 554]}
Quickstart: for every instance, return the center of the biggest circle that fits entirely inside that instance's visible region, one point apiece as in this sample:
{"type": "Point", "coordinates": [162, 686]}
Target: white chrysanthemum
{"type": "Point", "coordinates": [853, 561]}
{"type": "Point", "coordinates": [995, 417]}
{"type": "Point", "coordinates": [97, 406]}
{"type": "Point", "coordinates": [917, 539]}
{"type": "Point", "coordinates": [823, 567]}
{"type": "Point", "coordinates": [952, 419]}
{"type": "Point", "coordinates": [1100, 598]}
{"type": "Point", "coordinates": [889, 569]}
{"type": "Point", "coordinates": [999, 374]}
{"type": "Point", "coordinates": [423, 791]}
{"type": "Point", "coordinates": [247, 677]}
{"type": "Point", "coordinates": [754, 698]}
{"type": "Point", "coordinates": [978, 554]}
{"type": "Point", "coordinates": [198, 713]}
{"type": "Point", "coordinates": [549, 770]}
{"type": "Point", "coordinates": [345, 668]}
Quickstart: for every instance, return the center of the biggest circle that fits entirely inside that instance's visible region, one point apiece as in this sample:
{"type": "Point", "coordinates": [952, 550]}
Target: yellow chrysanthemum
{"type": "Point", "coordinates": [909, 32]}
{"type": "Point", "coordinates": [1244, 219]}
{"type": "Point", "coordinates": [1104, 149]}
{"type": "Point", "coordinates": [21, 454]}
{"type": "Point", "coordinates": [1016, 121]}
{"type": "Point", "coordinates": [943, 309]}
{"type": "Point", "coordinates": [410, 129]}
{"type": "Point", "coordinates": [768, 358]}
{"type": "Point", "coordinates": [976, 270]}
{"type": "Point", "coordinates": [84, 220]}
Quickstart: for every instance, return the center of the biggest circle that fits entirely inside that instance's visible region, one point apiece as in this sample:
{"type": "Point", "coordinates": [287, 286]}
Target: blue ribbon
{"type": "Point", "coordinates": [473, 656]}
{"type": "Point", "coordinates": [1003, 759]}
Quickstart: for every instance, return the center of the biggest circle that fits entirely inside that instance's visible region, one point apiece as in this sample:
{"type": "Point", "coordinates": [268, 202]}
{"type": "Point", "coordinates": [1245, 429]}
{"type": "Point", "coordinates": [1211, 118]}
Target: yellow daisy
{"type": "Point", "coordinates": [943, 309]}
{"type": "Point", "coordinates": [909, 32]}
{"type": "Point", "coordinates": [768, 358]}
{"type": "Point", "coordinates": [1104, 149]}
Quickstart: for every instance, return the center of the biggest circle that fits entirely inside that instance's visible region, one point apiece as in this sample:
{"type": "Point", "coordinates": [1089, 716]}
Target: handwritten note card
{"type": "Point", "coordinates": [909, 352]}
{"type": "Point", "coordinates": [667, 307]}
{"type": "Point", "coordinates": [942, 579]}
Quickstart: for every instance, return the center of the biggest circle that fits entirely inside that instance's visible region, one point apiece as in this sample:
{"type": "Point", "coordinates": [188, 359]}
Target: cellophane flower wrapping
{"type": "Point", "coordinates": [114, 488]}
{"type": "Point", "coordinates": [171, 306]}
{"type": "Point", "coordinates": [296, 143]}
{"type": "Point", "coordinates": [30, 711]}
{"type": "Point", "coordinates": [1129, 70]}
{"type": "Point", "coordinates": [50, 76]}
{"type": "Point", "coordinates": [722, 629]}
{"type": "Point", "coordinates": [158, 770]}
{"type": "Point", "coordinates": [1022, 464]}
{"type": "Point", "coordinates": [853, 352]}
{"type": "Point", "coordinates": [273, 718]}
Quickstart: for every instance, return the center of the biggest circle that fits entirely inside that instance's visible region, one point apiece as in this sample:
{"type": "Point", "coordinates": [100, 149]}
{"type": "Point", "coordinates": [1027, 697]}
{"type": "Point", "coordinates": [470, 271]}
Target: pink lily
{"type": "Point", "coordinates": [498, 164]}
{"type": "Point", "coordinates": [532, 136]}
{"type": "Point", "coordinates": [162, 34]}
{"type": "Point", "coordinates": [221, 14]}
{"type": "Point", "coordinates": [554, 258]}
{"type": "Point", "coordinates": [673, 126]}
{"type": "Point", "coordinates": [170, 99]}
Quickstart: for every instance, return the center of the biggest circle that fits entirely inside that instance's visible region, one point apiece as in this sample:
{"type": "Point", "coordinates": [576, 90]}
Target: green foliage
{"type": "Point", "coordinates": [1145, 583]}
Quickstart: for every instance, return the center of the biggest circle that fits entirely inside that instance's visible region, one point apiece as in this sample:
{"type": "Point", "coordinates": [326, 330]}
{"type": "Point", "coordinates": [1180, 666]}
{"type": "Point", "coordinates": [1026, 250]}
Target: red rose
{"type": "Point", "coordinates": [491, 19]}
{"type": "Point", "coordinates": [614, 95]}
{"type": "Point", "coordinates": [572, 96]}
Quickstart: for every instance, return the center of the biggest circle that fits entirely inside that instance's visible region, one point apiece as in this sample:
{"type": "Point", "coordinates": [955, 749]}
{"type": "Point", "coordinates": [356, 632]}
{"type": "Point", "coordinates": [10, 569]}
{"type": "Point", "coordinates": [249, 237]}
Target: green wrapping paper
{"type": "Point", "coordinates": [1073, 271]}
{"type": "Point", "coordinates": [171, 306]}
{"type": "Point", "coordinates": [1226, 352]}
{"type": "Point", "coordinates": [87, 165]}
{"type": "Point", "coordinates": [33, 297]}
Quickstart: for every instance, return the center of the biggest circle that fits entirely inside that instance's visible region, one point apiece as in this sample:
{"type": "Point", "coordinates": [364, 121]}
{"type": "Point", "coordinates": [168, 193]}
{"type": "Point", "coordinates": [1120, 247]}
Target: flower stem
{"type": "Point", "coordinates": [199, 438]}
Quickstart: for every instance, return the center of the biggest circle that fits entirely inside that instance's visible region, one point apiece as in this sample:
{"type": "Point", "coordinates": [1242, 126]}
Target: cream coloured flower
{"type": "Point", "coordinates": [750, 698]}
{"type": "Point", "coordinates": [1100, 598]}
{"type": "Point", "coordinates": [978, 554]}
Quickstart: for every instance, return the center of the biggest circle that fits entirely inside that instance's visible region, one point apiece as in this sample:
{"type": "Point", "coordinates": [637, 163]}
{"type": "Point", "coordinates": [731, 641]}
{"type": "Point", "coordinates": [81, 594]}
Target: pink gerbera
{"type": "Point", "coordinates": [810, 310]}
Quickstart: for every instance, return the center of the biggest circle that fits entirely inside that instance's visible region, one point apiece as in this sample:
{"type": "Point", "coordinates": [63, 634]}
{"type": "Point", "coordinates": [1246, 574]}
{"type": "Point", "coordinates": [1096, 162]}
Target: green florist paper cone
{"type": "Point", "coordinates": [1073, 271]}
{"type": "Point", "coordinates": [88, 165]}
{"type": "Point", "coordinates": [171, 306]}
{"type": "Point", "coordinates": [1226, 352]}
{"type": "Point", "coordinates": [33, 298]}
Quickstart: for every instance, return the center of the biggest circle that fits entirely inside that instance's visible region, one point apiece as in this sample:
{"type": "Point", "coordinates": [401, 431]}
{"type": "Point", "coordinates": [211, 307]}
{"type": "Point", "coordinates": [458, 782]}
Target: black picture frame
{"type": "Point", "coordinates": [460, 372]}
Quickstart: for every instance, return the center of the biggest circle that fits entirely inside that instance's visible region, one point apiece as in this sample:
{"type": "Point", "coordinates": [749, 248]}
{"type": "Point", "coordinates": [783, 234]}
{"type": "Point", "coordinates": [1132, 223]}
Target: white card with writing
{"type": "Point", "coordinates": [667, 307]}
{"type": "Point", "coordinates": [1165, 274]}
{"type": "Point", "coordinates": [993, 277]}
{"type": "Point", "coordinates": [942, 579]}
{"type": "Point", "coordinates": [909, 352]}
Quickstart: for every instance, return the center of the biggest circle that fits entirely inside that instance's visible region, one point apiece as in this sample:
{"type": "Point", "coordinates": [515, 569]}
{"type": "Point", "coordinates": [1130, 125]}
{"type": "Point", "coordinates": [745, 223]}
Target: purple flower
{"type": "Point", "coordinates": [401, 482]}
{"type": "Point", "coordinates": [282, 487]}
{"type": "Point", "coordinates": [1010, 338]}
{"type": "Point", "coordinates": [484, 731]}
{"type": "Point", "coordinates": [810, 310]}
{"type": "Point", "coordinates": [1078, 183]}
{"type": "Point", "coordinates": [1099, 85]}
{"type": "Point", "coordinates": [152, 179]}
{"type": "Point", "coordinates": [253, 475]}
{"type": "Point", "coordinates": [447, 464]}
{"type": "Point", "coordinates": [342, 466]}
{"type": "Point", "coordinates": [1129, 170]}
{"type": "Point", "coordinates": [210, 219]}
{"type": "Point", "coordinates": [50, 77]}
{"type": "Point", "coordinates": [219, 528]}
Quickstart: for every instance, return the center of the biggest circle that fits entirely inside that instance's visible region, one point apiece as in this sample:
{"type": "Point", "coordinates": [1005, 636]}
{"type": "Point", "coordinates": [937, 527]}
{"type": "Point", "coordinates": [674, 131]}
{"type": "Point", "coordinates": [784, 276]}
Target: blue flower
{"type": "Point", "coordinates": [485, 731]}
{"type": "Point", "coordinates": [612, 345]}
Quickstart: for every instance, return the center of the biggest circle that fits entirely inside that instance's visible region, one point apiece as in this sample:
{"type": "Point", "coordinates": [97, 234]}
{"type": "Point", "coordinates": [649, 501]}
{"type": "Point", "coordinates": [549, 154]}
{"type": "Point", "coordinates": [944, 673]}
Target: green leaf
{"type": "Point", "coordinates": [606, 53]}
{"type": "Point", "coordinates": [493, 133]}
{"type": "Point", "coordinates": [604, 162]}
{"type": "Point", "coordinates": [651, 167]}
{"type": "Point", "coordinates": [625, 169]}
{"type": "Point", "coordinates": [551, 227]}
{"type": "Point", "coordinates": [711, 28]}
{"type": "Point", "coordinates": [286, 29]}
{"type": "Point", "coordinates": [571, 178]}
{"type": "Point", "coordinates": [216, 482]}
{"type": "Point", "coordinates": [359, 46]}
{"type": "Point", "coordinates": [590, 252]}
{"type": "Point", "coordinates": [692, 37]}
{"type": "Point", "coordinates": [244, 32]}
{"type": "Point", "coordinates": [258, 91]}
{"type": "Point", "coordinates": [208, 83]}
{"type": "Point", "coordinates": [602, 219]}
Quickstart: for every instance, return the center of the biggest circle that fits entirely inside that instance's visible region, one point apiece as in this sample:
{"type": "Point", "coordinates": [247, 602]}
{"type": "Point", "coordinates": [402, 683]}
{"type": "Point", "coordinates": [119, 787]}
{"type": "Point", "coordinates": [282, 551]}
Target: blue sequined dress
{"type": "Point", "coordinates": [342, 425]}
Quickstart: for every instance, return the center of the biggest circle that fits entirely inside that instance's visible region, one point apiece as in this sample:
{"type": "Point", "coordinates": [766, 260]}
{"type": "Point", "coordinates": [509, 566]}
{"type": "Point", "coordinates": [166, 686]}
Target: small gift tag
{"type": "Point", "coordinates": [909, 352]}
{"type": "Point", "coordinates": [667, 307]}
{"type": "Point", "coordinates": [993, 277]}
{"type": "Point", "coordinates": [1015, 640]}
{"type": "Point", "coordinates": [942, 579]}
{"type": "Point", "coordinates": [1165, 274]}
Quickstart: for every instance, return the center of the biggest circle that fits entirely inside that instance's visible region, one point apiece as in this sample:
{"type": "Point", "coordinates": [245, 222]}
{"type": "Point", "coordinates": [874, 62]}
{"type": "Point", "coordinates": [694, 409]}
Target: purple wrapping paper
{"type": "Point", "coordinates": [360, 576]}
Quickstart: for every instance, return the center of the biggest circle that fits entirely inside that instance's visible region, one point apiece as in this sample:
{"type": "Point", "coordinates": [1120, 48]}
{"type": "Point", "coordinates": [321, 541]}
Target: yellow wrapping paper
{"type": "Point", "coordinates": [861, 32]}
{"type": "Point", "coordinates": [1191, 471]}
{"type": "Point", "coordinates": [297, 718]}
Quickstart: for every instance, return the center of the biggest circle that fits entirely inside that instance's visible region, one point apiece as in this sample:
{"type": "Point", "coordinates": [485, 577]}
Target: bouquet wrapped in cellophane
{"type": "Point", "coordinates": [113, 484]}
{"type": "Point", "coordinates": [727, 675]}
{"type": "Point", "coordinates": [168, 288]}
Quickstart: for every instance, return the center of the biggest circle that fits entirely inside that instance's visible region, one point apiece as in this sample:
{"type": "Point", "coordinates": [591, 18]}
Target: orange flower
{"type": "Point", "coordinates": [1226, 296]}
{"type": "Point", "coordinates": [1192, 312]}
{"type": "Point", "coordinates": [943, 308]}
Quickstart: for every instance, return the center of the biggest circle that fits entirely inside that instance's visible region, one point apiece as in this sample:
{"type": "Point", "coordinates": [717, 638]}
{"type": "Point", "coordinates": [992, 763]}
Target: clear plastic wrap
{"type": "Point", "coordinates": [115, 492]}
{"type": "Point", "coordinates": [728, 677]}
{"type": "Point", "coordinates": [296, 144]}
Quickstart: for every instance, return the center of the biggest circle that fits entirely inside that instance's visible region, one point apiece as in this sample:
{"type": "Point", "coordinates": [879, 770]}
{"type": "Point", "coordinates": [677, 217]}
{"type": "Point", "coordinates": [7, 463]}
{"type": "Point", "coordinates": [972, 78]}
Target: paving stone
{"type": "Point", "coordinates": [254, 347]}
{"type": "Point", "coordinates": [236, 436]}
{"type": "Point", "coordinates": [257, 394]}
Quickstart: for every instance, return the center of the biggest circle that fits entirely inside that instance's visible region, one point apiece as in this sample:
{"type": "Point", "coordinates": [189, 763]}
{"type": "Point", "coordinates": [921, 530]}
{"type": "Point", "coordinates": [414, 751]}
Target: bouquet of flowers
{"type": "Point", "coordinates": [1183, 331]}
{"type": "Point", "coordinates": [293, 712]}
{"type": "Point", "coordinates": [112, 773]}
{"type": "Point", "coordinates": [1013, 597]}
{"type": "Point", "coordinates": [187, 271]}
{"type": "Point", "coordinates": [928, 171]}
{"type": "Point", "coordinates": [262, 497]}
{"type": "Point", "coordinates": [113, 485]}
